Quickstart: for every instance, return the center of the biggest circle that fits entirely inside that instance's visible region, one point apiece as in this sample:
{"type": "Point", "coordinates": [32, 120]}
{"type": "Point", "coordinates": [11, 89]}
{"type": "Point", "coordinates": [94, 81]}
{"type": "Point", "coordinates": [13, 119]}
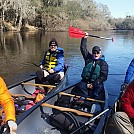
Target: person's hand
{"type": "Point", "coordinates": [41, 67]}
{"type": "Point", "coordinates": [124, 86]}
{"type": "Point", "coordinates": [13, 126]}
{"type": "Point", "coordinates": [51, 71]}
{"type": "Point", "coordinates": [90, 86]}
{"type": "Point", "coordinates": [86, 35]}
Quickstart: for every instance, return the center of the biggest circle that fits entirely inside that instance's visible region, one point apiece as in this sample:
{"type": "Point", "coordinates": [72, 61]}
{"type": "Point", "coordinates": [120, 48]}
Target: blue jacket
{"type": "Point", "coordinates": [130, 72]}
{"type": "Point", "coordinates": [60, 60]}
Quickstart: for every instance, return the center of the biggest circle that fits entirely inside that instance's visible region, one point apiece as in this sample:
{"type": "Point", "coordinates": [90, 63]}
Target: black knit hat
{"type": "Point", "coordinates": [53, 40]}
{"type": "Point", "coordinates": [96, 48]}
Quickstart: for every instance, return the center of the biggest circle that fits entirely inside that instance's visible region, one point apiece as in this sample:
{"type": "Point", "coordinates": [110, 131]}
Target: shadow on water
{"type": "Point", "coordinates": [19, 50]}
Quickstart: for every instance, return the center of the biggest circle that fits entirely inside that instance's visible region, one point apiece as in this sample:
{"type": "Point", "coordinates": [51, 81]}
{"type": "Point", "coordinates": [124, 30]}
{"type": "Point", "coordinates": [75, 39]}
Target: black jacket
{"type": "Point", "coordinates": [101, 62]}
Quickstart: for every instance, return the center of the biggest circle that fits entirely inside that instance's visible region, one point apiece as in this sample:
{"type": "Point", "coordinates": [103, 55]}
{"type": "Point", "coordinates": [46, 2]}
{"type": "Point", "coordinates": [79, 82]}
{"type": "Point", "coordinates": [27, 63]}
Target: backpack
{"type": "Point", "coordinates": [67, 121]}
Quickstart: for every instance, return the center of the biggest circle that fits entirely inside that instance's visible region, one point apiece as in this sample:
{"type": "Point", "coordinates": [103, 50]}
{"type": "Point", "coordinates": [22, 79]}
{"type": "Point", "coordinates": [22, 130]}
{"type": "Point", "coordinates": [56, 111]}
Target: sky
{"type": "Point", "coordinates": [119, 8]}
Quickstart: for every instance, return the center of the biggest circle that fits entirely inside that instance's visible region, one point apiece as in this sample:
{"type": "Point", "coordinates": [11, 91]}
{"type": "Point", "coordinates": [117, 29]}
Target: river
{"type": "Point", "coordinates": [18, 52]}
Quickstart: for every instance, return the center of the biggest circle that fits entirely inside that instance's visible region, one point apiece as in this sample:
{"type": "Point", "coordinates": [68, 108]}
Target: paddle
{"type": "Point", "coordinates": [78, 33]}
{"type": "Point", "coordinates": [32, 84]}
{"type": "Point", "coordinates": [24, 95]}
{"type": "Point", "coordinates": [92, 119]}
{"type": "Point", "coordinates": [90, 99]}
{"type": "Point", "coordinates": [68, 109]}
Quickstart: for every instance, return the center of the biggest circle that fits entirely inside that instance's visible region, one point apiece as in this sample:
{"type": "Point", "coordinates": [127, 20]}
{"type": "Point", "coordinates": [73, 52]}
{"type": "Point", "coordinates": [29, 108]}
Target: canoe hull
{"type": "Point", "coordinates": [34, 123]}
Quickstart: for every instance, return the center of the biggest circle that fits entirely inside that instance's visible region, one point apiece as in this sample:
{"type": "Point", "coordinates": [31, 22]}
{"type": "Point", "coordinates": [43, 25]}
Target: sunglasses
{"type": "Point", "coordinates": [53, 45]}
{"type": "Point", "coordinates": [96, 52]}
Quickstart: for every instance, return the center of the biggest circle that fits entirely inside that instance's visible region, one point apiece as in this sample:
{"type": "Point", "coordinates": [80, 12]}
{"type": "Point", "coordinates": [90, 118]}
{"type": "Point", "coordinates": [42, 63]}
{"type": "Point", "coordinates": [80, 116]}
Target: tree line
{"type": "Point", "coordinates": [59, 14]}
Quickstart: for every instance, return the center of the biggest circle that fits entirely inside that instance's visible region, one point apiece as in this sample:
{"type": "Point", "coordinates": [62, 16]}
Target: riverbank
{"type": "Point", "coordinates": [58, 25]}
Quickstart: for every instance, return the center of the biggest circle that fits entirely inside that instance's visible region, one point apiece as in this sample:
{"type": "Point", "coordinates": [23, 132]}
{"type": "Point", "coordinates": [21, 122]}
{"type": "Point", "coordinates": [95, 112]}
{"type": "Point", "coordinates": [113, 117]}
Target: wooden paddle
{"type": "Point", "coordinates": [67, 109]}
{"type": "Point", "coordinates": [78, 33]}
{"type": "Point", "coordinates": [32, 84]}
{"type": "Point", "coordinates": [90, 99]}
{"type": "Point", "coordinates": [23, 95]}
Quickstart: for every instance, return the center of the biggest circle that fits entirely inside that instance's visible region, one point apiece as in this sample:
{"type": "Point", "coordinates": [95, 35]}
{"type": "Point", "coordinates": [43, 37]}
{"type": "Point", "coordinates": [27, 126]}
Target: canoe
{"type": "Point", "coordinates": [28, 86]}
{"type": "Point", "coordinates": [24, 95]}
{"type": "Point", "coordinates": [115, 107]}
{"type": "Point", "coordinates": [38, 119]}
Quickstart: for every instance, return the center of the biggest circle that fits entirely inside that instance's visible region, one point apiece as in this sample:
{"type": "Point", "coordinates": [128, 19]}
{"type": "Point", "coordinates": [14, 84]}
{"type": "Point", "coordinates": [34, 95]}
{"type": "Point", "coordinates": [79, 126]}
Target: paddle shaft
{"type": "Point", "coordinates": [100, 37]}
{"type": "Point", "coordinates": [90, 120]}
{"type": "Point", "coordinates": [23, 95]}
{"type": "Point", "coordinates": [90, 99]}
{"type": "Point", "coordinates": [68, 109]}
{"type": "Point", "coordinates": [32, 84]}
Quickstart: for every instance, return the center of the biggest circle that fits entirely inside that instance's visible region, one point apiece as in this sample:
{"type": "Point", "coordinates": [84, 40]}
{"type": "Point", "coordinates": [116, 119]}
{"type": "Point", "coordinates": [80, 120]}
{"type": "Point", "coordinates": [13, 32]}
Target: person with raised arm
{"type": "Point", "coordinates": [94, 73]}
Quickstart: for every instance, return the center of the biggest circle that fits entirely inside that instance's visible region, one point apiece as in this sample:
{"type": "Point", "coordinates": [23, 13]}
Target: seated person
{"type": "Point", "coordinates": [94, 73]}
{"type": "Point", "coordinates": [52, 65]}
{"type": "Point", "coordinates": [124, 120]}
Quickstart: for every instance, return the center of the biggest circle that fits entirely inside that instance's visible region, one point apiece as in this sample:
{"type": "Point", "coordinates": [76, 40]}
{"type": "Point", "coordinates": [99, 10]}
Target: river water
{"type": "Point", "coordinates": [18, 52]}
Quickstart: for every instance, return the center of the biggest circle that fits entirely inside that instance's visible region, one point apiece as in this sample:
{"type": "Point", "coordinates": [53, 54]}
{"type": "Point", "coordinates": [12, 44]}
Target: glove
{"type": "Point", "coordinates": [90, 86]}
{"type": "Point", "coordinates": [124, 86]}
{"type": "Point", "coordinates": [86, 35]}
{"type": "Point", "coordinates": [13, 126]}
{"type": "Point", "coordinates": [41, 67]}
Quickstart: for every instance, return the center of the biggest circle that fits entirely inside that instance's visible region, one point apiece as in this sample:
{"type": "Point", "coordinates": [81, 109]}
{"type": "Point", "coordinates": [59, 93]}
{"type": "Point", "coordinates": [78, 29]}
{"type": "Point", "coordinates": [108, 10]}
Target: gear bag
{"type": "Point", "coordinates": [67, 121]}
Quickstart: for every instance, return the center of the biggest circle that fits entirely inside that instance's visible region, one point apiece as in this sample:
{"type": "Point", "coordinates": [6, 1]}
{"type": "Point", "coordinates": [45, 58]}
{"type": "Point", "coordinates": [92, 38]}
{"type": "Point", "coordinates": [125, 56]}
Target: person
{"type": "Point", "coordinates": [94, 73]}
{"type": "Point", "coordinates": [52, 65]}
{"type": "Point", "coordinates": [129, 74]}
{"type": "Point", "coordinates": [124, 120]}
{"type": "Point", "coordinates": [7, 104]}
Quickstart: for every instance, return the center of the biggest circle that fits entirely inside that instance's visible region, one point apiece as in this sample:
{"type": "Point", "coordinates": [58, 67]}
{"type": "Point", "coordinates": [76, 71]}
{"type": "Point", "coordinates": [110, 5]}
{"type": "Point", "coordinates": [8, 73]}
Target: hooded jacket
{"type": "Point", "coordinates": [130, 72]}
{"type": "Point", "coordinates": [127, 101]}
{"type": "Point", "coordinates": [88, 58]}
{"type": "Point", "coordinates": [60, 60]}
{"type": "Point", "coordinates": [6, 101]}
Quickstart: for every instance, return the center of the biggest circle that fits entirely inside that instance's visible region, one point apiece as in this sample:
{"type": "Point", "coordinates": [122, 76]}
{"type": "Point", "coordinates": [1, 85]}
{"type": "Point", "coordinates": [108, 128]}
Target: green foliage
{"type": "Point", "coordinates": [97, 15]}
{"type": "Point", "coordinates": [125, 24]}
{"type": "Point", "coordinates": [73, 9]}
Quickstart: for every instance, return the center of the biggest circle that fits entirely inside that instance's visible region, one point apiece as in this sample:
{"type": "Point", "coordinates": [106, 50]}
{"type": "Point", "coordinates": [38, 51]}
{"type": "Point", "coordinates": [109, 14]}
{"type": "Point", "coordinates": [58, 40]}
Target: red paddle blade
{"type": "Point", "coordinates": [76, 32]}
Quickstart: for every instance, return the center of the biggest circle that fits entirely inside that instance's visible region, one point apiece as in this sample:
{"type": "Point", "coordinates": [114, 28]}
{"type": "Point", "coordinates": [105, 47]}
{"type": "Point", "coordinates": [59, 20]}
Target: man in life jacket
{"type": "Point", "coordinates": [8, 107]}
{"type": "Point", "coordinates": [52, 65]}
{"type": "Point", "coordinates": [94, 73]}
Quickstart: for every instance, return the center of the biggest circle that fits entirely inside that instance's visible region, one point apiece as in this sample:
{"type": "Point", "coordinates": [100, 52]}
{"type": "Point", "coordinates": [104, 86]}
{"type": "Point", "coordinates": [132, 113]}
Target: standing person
{"type": "Point", "coordinates": [52, 65]}
{"type": "Point", "coordinates": [129, 74]}
{"type": "Point", "coordinates": [124, 120]}
{"type": "Point", "coordinates": [7, 104]}
{"type": "Point", "coordinates": [94, 73]}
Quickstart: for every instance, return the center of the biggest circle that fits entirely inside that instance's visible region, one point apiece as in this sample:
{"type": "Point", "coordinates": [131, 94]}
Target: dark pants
{"type": "Point", "coordinates": [81, 89]}
{"type": "Point", "coordinates": [50, 79]}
